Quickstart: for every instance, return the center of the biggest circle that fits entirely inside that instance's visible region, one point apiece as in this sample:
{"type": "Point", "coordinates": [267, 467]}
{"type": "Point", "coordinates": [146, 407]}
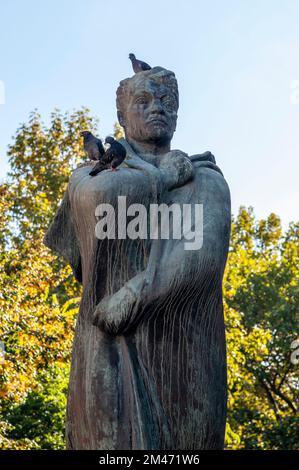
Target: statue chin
{"type": "Point", "coordinates": [156, 135]}
{"type": "Point", "coordinates": [159, 132]}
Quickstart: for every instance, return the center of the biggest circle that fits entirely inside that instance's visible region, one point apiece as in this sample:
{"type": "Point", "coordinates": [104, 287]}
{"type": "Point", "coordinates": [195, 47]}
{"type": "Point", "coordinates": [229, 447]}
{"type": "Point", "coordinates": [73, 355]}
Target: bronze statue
{"type": "Point", "coordinates": [149, 358]}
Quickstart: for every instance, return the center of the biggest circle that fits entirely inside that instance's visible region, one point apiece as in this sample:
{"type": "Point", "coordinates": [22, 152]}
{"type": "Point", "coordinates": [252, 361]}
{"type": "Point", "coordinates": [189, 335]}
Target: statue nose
{"type": "Point", "coordinates": [157, 107]}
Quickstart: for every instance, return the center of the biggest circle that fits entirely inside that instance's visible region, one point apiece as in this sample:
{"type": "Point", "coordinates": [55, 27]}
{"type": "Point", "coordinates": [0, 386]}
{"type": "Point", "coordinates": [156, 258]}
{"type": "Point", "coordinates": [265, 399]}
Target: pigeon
{"type": "Point", "coordinates": [92, 146]}
{"type": "Point", "coordinates": [113, 157]}
{"type": "Point", "coordinates": [138, 65]}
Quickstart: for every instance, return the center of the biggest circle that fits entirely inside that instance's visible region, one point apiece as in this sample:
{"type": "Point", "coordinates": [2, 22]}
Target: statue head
{"type": "Point", "coordinates": [147, 106]}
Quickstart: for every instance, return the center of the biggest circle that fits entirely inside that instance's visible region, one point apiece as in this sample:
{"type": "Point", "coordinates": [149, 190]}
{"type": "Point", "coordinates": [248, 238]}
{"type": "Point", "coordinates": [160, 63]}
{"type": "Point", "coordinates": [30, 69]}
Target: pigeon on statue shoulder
{"type": "Point", "coordinates": [114, 156]}
{"type": "Point", "coordinates": [92, 146]}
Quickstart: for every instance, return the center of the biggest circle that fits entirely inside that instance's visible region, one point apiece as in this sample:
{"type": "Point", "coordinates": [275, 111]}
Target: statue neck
{"type": "Point", "coordinates": [148, 151]}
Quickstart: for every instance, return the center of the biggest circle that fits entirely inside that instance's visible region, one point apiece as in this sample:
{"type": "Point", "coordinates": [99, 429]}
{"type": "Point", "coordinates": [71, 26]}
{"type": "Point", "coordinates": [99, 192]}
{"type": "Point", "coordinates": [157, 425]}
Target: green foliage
{"type": "Point", "coordinates": [41, 160]}
{"type": "Point", "coordinates": [118, 131]}
{"type": "Point", "coordinates": [38, 295]}
{"type": "Point", "coordinates": [38, 422]}
{"type": "Point", "coordinates": [261, 290]}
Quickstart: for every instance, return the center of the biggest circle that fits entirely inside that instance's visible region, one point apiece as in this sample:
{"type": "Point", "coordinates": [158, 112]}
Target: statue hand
{"type": "Point", "coordinates": [203, 157]}
{"type": "Point", "coordinates": [176, 168]}
{"type": "Point", "coordinates": [114, 314]}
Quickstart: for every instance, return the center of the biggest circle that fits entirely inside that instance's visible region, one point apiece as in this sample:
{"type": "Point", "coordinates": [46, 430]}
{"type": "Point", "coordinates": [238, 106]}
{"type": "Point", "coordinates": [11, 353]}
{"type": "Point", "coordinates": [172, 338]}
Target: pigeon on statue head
{"type": "Point", "coordinates": [138, 65]}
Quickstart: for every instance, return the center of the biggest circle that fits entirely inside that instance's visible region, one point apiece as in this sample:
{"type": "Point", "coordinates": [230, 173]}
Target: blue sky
{"type": "Point", "coordinates": [236, 63]}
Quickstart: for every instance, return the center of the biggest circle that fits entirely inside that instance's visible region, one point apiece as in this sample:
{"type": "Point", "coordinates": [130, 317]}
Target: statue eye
{"type": "Point", "coordinates": [141, 100]}
{"type": "Point", "coordinates": [168, 102]}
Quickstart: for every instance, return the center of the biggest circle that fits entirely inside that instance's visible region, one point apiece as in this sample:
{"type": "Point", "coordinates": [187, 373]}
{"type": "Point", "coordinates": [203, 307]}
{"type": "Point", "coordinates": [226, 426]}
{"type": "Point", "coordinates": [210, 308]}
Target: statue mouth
{"type": "Point", "coordinates": [158, 120]}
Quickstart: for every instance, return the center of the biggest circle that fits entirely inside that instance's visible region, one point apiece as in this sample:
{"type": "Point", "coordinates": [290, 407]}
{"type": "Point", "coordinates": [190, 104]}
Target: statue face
{"type": "Point", "coordinates": [151, 112]}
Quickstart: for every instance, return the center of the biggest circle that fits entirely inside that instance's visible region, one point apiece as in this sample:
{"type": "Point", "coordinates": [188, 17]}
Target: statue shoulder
{"type": "Point", "coordinates": [205, 160]}
{"type": "Point", "coordinates": [205, 167]}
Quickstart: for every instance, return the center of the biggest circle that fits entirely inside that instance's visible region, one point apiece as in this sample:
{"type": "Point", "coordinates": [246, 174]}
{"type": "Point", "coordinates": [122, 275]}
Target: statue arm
{"type": "Point", "coordinates": [123, 310]}
{"type": "Point", "coordinates": [117, 313]}
{"type": "Point", "coordinates": [168, 264]}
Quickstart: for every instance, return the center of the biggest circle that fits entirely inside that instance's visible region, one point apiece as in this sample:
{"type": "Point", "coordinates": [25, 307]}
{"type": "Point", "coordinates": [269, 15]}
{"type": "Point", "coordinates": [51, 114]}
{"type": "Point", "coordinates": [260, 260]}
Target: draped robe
{"type": "Point", "coordinates": [149, 358]}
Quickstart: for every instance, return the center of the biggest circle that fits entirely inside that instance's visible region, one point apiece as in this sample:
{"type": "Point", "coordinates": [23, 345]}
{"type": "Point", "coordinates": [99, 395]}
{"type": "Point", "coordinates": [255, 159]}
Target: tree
{"type": "Point", "coordinates": [262, 306]}
{"type": "Point", "coordinates": [38, 295]}
{"type": "Point", "coordinates": [41, 160]}
{"type": "Point", "coordinates": [38, 422]}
